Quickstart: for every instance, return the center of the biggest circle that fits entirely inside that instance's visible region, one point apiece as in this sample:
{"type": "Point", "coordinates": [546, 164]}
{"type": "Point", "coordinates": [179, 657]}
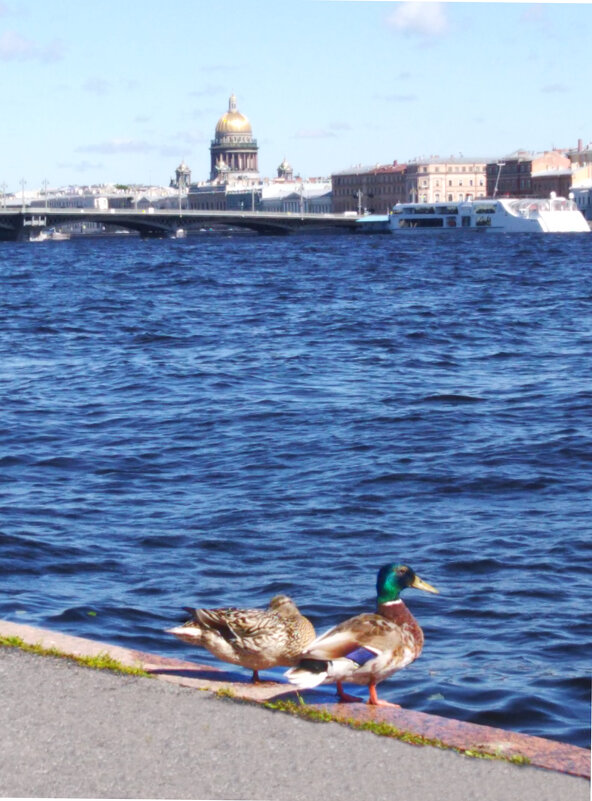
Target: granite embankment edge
{"type": "Point", "coordinates": [419, 726]}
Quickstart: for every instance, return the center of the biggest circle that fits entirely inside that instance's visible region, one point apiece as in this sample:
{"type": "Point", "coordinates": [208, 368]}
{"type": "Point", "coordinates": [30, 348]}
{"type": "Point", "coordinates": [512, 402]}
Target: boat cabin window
{"type": "Point", "coordinates": [447, 209]}
{"type": "Point", "coordinates": [486, 208]}
{"type": "Point", "coordinates": [422, 222]}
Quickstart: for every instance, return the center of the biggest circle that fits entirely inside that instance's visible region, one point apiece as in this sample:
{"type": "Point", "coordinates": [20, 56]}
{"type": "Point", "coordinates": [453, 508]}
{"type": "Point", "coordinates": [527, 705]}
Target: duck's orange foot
{"type": "Point", "coordinates": [379, 702]}
{"type": "Point", "coordinates": [346, 697]}
{"type": "Point", "coordinates": [374, 700]}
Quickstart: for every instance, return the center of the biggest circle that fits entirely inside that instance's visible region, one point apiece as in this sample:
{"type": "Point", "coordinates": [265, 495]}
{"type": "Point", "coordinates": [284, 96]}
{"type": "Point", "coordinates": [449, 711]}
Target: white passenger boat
{"type": "Point", "coordinates": [506, 215]}
{"type": "Point", "coordinates": [49, 235]}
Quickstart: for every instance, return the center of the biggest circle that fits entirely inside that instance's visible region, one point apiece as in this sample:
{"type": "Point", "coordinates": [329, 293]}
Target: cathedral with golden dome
{"type": "Point", "coordinates": [233, 151]}
{"type": "Point", "coordinates": [235, 183]}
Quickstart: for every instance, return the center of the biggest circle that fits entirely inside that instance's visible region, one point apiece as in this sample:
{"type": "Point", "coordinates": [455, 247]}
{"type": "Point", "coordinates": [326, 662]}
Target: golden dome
{"type": "Point", "coordinates": [233, 121]}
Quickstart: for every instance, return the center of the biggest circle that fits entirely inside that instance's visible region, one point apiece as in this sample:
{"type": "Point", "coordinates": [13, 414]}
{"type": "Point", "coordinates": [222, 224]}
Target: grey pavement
{"type": "Point", "coordinates": [72, 732]}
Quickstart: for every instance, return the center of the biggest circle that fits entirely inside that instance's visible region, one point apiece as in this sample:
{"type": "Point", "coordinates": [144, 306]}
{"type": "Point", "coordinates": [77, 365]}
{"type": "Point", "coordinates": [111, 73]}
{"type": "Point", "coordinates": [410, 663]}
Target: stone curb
{"type": "Point", "coordinates": [542, 753]}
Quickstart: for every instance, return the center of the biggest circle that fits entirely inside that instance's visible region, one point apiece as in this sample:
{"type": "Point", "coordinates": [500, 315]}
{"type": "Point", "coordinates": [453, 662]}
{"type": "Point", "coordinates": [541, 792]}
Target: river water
{"type": "Point", "coordinates": [211, 421]}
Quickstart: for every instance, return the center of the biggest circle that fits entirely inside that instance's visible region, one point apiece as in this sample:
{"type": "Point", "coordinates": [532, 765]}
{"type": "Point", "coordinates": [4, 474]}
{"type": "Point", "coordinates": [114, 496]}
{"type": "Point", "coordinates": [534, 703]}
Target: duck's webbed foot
{"type": "Point", "coordinates": [346, 697]}
{"type": "Point", "coordinates": [374, 700]}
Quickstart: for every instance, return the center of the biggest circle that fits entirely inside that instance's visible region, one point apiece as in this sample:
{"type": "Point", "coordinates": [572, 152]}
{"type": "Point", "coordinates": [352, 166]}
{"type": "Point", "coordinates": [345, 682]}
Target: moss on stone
{"type": "Point", "coordinates": [383, 729]}
{"type": "Point", "coordinates": [101, 661]}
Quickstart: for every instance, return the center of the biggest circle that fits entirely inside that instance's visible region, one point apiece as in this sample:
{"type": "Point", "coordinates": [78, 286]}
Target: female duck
{"type": "Point", "coordinates": [368, 648]}
{"type": "Point", "coordinates": [253, 638]}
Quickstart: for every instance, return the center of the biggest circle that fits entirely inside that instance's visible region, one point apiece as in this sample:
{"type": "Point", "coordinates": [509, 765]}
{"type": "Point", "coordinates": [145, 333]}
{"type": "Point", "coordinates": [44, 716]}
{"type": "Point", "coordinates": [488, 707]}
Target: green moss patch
{"type": "Point", "coordinates": [101, 661]}
{"type": "Point", "coordinates": [382, 729]}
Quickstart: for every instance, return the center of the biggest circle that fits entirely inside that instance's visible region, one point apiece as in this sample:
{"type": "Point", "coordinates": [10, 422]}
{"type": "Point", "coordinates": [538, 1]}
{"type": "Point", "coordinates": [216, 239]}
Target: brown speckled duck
{"type": "Point", "coordinates": [253, 638]}
{"type": "Point", "coordinates": [370, 647]}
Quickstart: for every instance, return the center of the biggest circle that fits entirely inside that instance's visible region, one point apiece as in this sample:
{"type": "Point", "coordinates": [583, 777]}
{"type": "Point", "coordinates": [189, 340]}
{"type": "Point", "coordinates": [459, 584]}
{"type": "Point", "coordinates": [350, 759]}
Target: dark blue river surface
{"type": "Point", "coordinates": [211, 421]}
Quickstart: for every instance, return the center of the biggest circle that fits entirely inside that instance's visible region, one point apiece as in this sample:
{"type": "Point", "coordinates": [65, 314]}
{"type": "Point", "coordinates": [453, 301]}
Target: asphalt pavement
{"type": "Point", "coordinates": [72, 732]}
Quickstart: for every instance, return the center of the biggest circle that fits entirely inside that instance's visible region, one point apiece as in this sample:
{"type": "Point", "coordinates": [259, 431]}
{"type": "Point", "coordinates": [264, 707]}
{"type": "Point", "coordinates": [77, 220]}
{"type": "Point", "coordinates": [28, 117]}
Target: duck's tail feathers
{"type": "Point", "coordinates": [308, 673]}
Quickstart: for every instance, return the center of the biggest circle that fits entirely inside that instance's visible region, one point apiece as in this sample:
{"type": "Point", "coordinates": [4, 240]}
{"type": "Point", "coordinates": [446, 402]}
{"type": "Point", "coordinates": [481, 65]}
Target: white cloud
{"type": "Point", "coordinates": [97, 86]}
{"type": "Point", "coordinates": [313, 133]}
{"type": "Point", "coordinates": [116, 146]}
{"type": "Point", "coordinates": [555, 88]}
{"type": "Point", "coordinates": [191, 137]}
{"type": "Point", "coordinates": [400, 98]}
{"type": "Point", "coordinates": [427, 20]}
{"type": "Point", "coordinates": [209, 90]}
{"type": "Point", "coordinates": [81, 166]}
{"type": "Point", "coordinates": [340, 126]}
{"type": "Point", "coordinates": [14, 47]}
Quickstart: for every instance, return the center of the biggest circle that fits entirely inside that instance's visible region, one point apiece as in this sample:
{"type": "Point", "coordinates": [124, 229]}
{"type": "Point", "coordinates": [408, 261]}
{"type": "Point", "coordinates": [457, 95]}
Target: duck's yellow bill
{"type": "Point", "coordinates": [420, 584]}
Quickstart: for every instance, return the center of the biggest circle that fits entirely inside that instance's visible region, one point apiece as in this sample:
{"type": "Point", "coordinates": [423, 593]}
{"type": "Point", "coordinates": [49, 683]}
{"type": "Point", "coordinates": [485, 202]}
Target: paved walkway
{"type": "Point", "coordinates": [69, 731]}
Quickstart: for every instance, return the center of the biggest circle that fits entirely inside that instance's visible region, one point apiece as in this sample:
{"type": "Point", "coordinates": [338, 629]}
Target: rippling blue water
{"type": "Point", "coordinates": [213, 420]}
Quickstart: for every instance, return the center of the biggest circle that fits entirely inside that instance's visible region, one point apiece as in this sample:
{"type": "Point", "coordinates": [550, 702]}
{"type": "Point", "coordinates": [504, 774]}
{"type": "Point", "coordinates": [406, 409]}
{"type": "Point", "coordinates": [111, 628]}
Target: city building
{"type": "Point", "coordinates": [436, 180]}
{"type": "Point", "coordinates": [432, 180]}
{"type": "Point", "coordinates": [296, 196]}
{"type": "Point", "coordinates": [581, 186]}
{"type": "Point", "coordinates": [373, 189]}
{"type": "Point", "coordinates": [512, 175]}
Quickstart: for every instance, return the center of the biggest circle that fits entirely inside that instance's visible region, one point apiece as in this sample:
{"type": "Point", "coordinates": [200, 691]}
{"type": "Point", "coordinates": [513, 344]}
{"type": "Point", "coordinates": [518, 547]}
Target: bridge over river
{"type": "Point", "coordinates": [23, 224]}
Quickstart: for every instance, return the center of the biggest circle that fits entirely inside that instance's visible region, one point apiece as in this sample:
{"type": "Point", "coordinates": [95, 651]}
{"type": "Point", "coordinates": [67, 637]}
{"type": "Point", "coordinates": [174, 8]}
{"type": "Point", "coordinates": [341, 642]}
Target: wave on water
{"type": "Point", "coordinates": [214, 421]}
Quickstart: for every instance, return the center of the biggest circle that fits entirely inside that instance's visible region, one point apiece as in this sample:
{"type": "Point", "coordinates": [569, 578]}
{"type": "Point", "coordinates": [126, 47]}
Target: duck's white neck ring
{"type": "Point", "coordinates": [393, 603]}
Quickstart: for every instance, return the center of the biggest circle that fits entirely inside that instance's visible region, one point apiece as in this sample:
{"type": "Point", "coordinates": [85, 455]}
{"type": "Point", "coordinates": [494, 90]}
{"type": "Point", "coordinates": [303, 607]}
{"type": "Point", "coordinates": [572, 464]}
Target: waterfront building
{"type": "Point", "coordinates": [582, 196]}
{"type": "Point", "coordinates": [297, 196]}
{"type": "Point", "coordinates": [580, 157]}
{"type": "Point", "coordinates": [453, 179]}
{"type": "Point", "coordinates": [581, 187]}
{"type": "Point", "coordinates": [104, 196]}
{"type": "Point", "coordinates": [233, 151]}
{"type": "Point", "coordinates": [558, 181]}
{"type": "Point", "coordinates": [512, 175]}
{"type": "Point", "coordinates": [374, 189]}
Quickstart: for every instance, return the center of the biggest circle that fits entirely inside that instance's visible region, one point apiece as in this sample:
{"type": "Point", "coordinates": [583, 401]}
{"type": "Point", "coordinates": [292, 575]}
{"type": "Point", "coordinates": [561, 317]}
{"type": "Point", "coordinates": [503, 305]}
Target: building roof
{"type": "Point", "coordinates": [552, 173]}
{"type": "Point", "coordinates": [452, 160]}
{"type": "Point", "coordinates": [360, 169]}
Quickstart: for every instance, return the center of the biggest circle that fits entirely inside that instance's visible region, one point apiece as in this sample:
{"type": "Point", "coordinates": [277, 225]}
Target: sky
{"type": "Point", "coordinates": [120, 91]}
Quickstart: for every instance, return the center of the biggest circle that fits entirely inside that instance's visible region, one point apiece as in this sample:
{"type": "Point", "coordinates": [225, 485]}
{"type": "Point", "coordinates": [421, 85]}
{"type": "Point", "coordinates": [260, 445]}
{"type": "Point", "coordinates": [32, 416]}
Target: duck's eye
{"type": "Point", "coordinates": [405, 574]}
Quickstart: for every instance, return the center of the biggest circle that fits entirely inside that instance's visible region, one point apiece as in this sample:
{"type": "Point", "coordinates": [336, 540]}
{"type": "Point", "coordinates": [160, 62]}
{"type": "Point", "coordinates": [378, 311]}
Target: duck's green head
{"type": "Point", "coordinates": [393, 579]}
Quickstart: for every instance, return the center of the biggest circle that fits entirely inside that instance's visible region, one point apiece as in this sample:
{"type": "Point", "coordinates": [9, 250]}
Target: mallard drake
{"type": "Point", "coordinates": [368, 648]}
{"type": "Point", "coordinates": [253, 638]}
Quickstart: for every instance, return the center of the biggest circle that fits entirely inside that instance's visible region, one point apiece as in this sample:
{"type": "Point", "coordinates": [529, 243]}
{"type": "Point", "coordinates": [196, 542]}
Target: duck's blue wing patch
{"type": "Point", "coordinates": [361, 655]}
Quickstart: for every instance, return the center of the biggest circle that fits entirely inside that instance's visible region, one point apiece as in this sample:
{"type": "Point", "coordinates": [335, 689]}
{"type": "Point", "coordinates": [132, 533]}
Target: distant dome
{"type": "Point", "coordinates": [285, 170]}
{"type": "Point", "coordinates": [233, 121]}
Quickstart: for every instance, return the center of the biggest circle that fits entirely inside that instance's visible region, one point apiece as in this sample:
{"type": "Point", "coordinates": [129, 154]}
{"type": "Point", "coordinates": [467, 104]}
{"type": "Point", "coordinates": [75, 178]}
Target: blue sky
{"type": "Point", "coordinates": [122, 90]}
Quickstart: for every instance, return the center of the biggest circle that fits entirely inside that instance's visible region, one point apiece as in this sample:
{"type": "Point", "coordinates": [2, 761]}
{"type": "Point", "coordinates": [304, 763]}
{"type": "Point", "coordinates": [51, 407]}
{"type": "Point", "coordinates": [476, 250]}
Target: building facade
{"type": "Point", "coordinates": [372, 189]}
{"type": "Point", "coordinates": [581, 185]}
{"type": "Point", "coordinates": [437, 180]}
{"type": "Point", "coordinates": [512, 175]}
{"type": "Point", "coordinates": [377, 189]}
{"type": "Point", "coordinates": [297, 196]}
